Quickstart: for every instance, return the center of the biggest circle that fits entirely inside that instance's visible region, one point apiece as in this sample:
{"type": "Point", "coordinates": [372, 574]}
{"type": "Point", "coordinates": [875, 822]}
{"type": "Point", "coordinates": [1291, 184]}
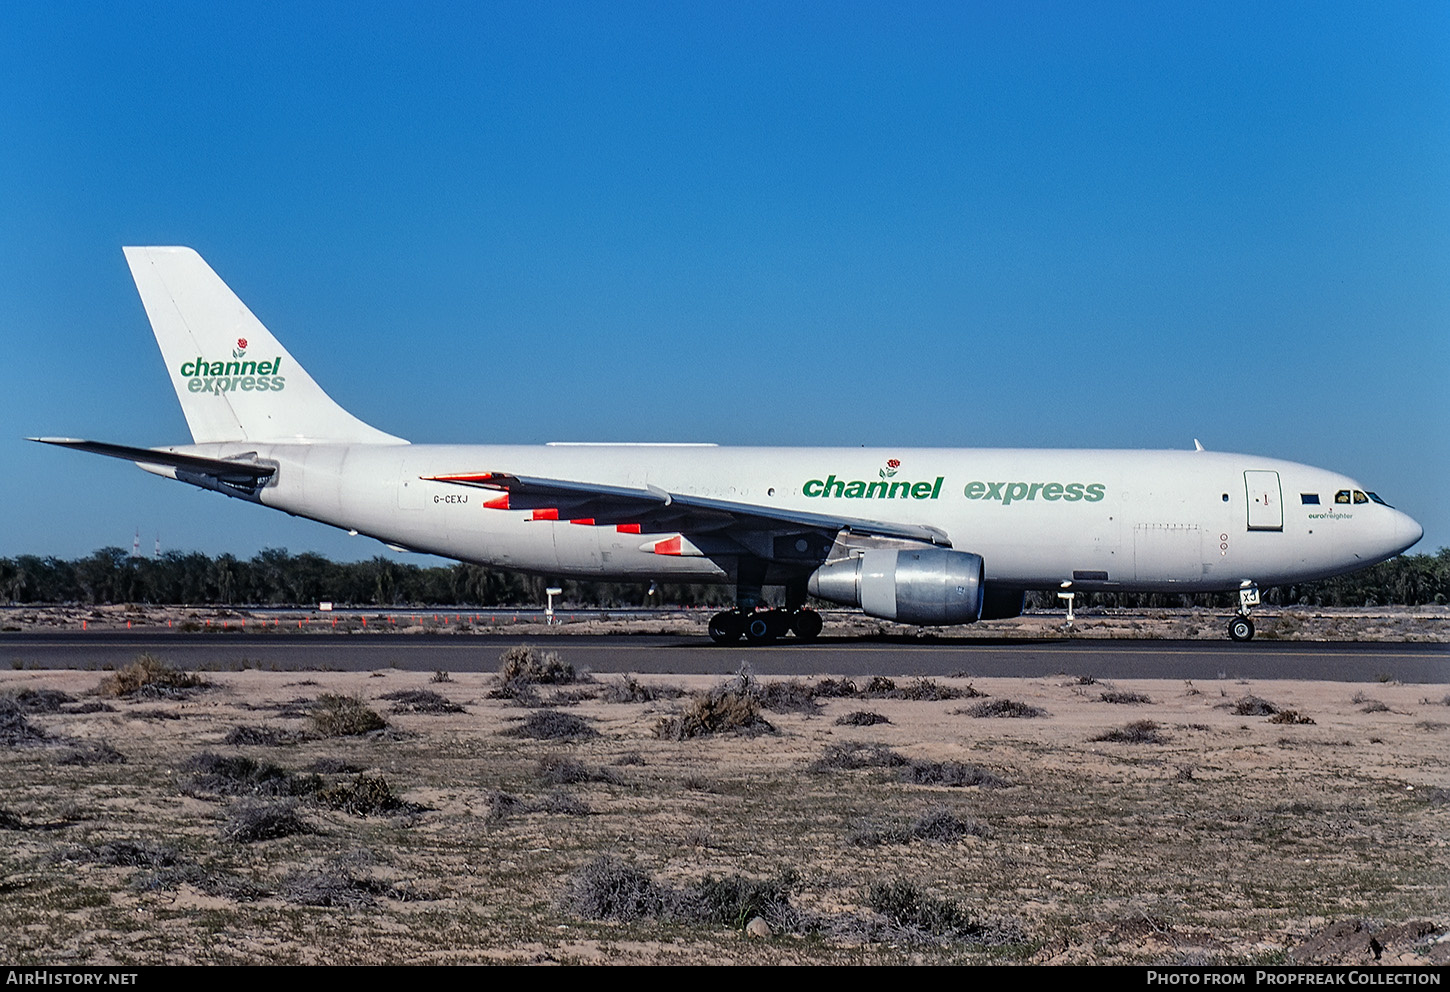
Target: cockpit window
{"type": "Point", "coordinates": [1342, 496]}
{"type": "Point", "coordinates": [1376, 499]}
{"type": "Point", "coordinates": [1360, 497]}
{"type": "Point", "coordinates": [1309, 499]}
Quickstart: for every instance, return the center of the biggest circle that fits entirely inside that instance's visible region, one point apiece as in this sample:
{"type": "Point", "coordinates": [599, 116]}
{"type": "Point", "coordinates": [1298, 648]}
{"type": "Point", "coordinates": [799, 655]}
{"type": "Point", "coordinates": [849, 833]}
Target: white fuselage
{"type": "Point", "coordinates": [1143, 520]}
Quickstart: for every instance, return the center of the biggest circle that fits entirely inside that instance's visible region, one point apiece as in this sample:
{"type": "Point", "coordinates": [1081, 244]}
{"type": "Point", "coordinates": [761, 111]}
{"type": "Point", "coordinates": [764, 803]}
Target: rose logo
{"type": "Point", "coordinates": [890, 469]}
{"type": "Point", "coordinates": [240, 349]}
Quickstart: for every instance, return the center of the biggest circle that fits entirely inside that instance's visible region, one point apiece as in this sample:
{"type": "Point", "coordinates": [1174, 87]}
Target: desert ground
{"type": "Point", "coordinates": [544, 815]}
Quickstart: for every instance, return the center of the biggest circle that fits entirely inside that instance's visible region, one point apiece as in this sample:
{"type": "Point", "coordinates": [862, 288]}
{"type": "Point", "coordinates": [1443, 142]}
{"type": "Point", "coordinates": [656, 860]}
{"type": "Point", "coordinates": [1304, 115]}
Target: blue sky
{"type": "Point", "coordinates": [966, 224]}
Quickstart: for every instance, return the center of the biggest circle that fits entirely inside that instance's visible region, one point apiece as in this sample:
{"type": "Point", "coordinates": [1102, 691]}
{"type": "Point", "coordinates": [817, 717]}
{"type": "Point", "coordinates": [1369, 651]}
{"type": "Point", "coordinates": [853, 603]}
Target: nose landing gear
{"type": "Point", "coordinates": [1241, 628]}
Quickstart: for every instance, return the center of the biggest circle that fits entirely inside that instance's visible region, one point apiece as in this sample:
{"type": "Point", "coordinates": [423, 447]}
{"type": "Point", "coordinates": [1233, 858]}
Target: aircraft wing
{"type": "Point", "coordinates": [654, 511]}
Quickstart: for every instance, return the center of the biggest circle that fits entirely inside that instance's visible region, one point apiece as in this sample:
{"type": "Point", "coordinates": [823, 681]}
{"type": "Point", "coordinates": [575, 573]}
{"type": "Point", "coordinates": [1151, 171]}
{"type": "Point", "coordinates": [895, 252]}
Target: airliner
{"type": "Point", "coordinates": [925, 536]}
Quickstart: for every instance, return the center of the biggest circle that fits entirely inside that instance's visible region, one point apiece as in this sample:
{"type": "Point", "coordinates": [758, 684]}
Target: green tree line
{"type": "Point", "coordinates": [273, 577]}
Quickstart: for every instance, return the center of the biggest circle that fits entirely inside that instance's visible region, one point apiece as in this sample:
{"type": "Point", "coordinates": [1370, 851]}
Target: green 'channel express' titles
{"type": "Point", "coordinates": [1015, 492]}
{"type": "Point", "coordinates": [235, 376]}
{"type": "Point", "coordinates": [879, 489]}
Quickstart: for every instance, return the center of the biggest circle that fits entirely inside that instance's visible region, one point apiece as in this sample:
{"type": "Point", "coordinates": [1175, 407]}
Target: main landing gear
{"type": "Point", "coordinates": [1241, 628]}
{"type": "Point", "coordinates": [759, 626]}
{"type": "Point", "coordinates": [764, 626]}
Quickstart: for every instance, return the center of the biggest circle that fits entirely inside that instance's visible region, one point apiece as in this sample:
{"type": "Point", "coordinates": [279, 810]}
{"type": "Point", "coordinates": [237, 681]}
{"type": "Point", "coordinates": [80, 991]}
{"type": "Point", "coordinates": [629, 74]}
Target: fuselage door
{"type": "Point", "coordinates": [1266, 503]}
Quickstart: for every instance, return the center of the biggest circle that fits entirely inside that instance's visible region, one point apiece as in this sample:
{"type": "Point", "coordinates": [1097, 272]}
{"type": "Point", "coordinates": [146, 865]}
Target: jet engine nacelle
{"type": "Point", "coordinates": [930, 586]}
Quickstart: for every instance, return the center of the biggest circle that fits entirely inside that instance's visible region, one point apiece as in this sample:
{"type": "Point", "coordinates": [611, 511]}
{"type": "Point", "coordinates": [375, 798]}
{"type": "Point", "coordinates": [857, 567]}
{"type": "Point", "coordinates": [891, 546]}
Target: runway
{"type": "Point", "coordinates": [676, 654]}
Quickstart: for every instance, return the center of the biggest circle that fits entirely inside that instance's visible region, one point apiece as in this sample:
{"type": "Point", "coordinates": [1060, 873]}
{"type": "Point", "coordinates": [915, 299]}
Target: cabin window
{"type": "Point", "coordinates": [1309, 499]}
{"type": "Point", "coordinates": [1342, 496]}
{"type": "Point", "coordinates": [1360, 497]}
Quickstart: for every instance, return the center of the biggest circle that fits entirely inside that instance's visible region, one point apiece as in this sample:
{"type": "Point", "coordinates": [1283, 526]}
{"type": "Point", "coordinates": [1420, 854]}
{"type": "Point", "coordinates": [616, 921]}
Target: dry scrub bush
{"type": "Point", "coordinates": [335, 715]}
{"type": "Point", "coordinates": [1138, 732]}
{"type": "Point", "coordinates": [552, 725]}
{"type": "Point", "coordinates": [527, 664]}
{"type": "Point", "coordinates": [261, 737]}
{"type": "Point", "coordinates": [731, 707]}
{"type": "Point", "coordinates": [15, 729]}
{"type": "Point", "coordinates": [558, 769]}
{"type": "Point", "coordinates": [610, 889]}
{"type": "Point", "coordinates": [123, 854]}
{"type": "Point", "coordinates": [234, 775]}
{"type": "Point", "coordinates": [421, 701]}
{"type": "Point", "coordinates": [788, 696]}
{"type": "Point", "coordinates": [1008, 708]}
{"type": "Point", "coordinates": [40, 700]}
{"type": "Point", "coordinates": [937, 824]}
{"type": "Point", "coordinates": [917, 917]}
{"type": "Point", "coordinates": [339, 887]}
{"type": "Point", "coordinates": [861, 718]}
{"type": "Point", "coordinates": [1290, 716]}
{"type": "Point", "coordinates": [918, 690]}
{"type": "Point", "coordinates": [149, 677]}
{"type": "Point", "coordinates": [86, 753]}
{"type": "Point", "coordinates": [629, 689]}
{"type": "Point", "coordinates": [1253, 706]}
{"type": "Point", "coordinates": [1368, 705]}
{"type": "Point", "coordinates": [252, 821]}
{"type": "Point", "coordinates": [364, 796]}
{"type": "Point", "coordinates": [950, 773]}
{"type": "Point", "coordinates": [849, 757]}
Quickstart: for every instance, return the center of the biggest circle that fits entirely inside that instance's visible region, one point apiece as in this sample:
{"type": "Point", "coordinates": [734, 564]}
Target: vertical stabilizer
{"type": "Point", "coordinates": [234, 379]}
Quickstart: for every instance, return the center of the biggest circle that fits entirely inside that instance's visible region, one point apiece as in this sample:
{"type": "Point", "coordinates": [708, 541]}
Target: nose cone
{"type": "Point", "coordinates": [1407, 532]}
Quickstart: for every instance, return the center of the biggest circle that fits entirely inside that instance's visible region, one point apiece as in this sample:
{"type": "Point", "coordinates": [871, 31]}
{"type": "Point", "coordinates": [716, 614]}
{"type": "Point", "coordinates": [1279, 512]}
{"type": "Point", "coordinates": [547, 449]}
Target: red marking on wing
{"type": "Point", "coordinates": [502, 503]}
{"type": "Point", "coordinates": [550, 514]}
{"type": "Point", "coordinates": [586, 521]}
{"type": "Point", "coordinates": [627, 528]}
{"type": "Point", "coordinates": [668, 547]}
{"type": "Point", "coordinates": [470, 477]}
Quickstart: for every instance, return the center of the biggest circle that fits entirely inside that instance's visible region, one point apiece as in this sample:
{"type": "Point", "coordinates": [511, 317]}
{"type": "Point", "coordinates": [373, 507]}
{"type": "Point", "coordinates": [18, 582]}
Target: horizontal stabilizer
{"type": "Point", "coordinates": [239, 467]}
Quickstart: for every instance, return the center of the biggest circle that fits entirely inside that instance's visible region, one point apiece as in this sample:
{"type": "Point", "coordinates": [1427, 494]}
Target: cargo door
{"type": "Point", "coordinates": [1168, 553]}
{"type": "Point", "coordinates": [1266, 502]}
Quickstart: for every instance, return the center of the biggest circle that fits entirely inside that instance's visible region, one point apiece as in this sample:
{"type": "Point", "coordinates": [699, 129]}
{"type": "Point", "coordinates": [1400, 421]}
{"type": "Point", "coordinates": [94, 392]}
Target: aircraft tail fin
{"type": "Point", "coordinates": [234, 379]}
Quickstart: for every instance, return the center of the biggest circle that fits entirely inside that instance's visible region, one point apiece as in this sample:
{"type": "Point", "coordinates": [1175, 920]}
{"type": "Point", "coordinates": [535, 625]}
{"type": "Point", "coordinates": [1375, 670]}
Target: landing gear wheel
{"type": "Point", "coordinates": [726, 628]}
{"type": "Point", "coordinates": [762, 628]}
{"type": "Point", "coordinates": [779, 621]}
{"type": "Point", "coordinates": [807, 625]}
{"type": "Point", "coordinates": [1241, 628]}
